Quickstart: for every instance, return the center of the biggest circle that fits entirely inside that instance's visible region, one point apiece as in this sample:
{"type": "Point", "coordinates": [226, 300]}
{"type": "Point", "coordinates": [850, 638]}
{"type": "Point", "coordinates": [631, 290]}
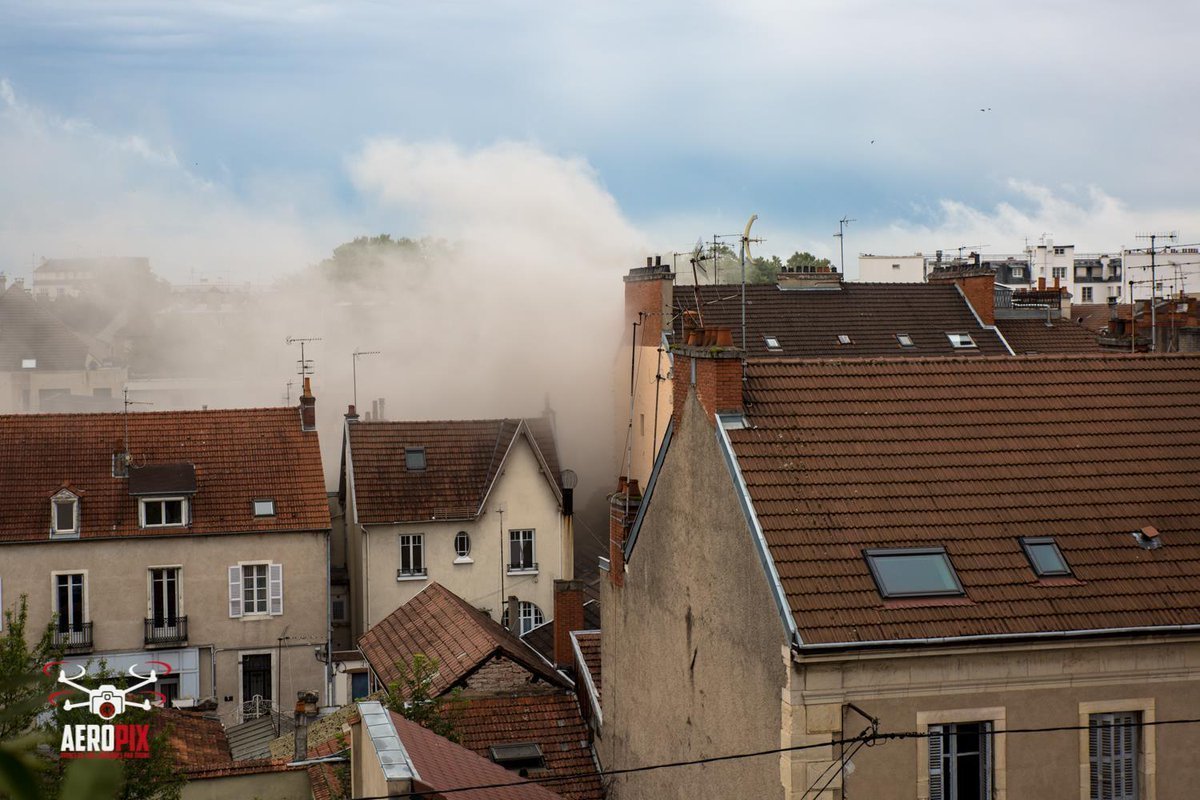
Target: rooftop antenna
{"type": "Point", "coordinates": [127, 455]}
{"type": "Point", "coordinates": [287, 393]}
{"type": "Point", "coordinates": [746, 240]}
{"type": "Point", "coordinates": [976, 248]}
{"type": "Point", "coordinates": [305, 364]}
{"type": "Point", "coordinates": [1169, 236]}
{"type": "Point", "coordinates": [356, 355]}
{"type": "Point", "coordinates": [843, 223]}
{"type": "Point", "coordinates": [697, 260]}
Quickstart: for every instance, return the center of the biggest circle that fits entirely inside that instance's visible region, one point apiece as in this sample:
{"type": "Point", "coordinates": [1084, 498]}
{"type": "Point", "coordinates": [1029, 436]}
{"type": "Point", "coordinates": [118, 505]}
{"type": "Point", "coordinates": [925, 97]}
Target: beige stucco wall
{"type": "Point", "coordinates": [117, 597]}
{"type": "Point", "coordinates": [292, 785]}
{"type": "Point", "coordinates": [692, 649]}
{"type": "Point", "coordinates": [1016, 687]}
{"type": "Point", "coordinates": [521, 498]}
{"type": "Point", "coordinates": [635, 415]}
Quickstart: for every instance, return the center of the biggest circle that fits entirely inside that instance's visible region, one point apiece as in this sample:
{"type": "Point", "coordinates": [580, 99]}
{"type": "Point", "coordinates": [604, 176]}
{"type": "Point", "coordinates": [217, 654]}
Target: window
{"type": "Point", "coordinates": [164, 512]}
{"type": "Point", "coordinates": [359, 685]}
{"type": "Point", "coordinates": [772, 343]}
{"type": "Point", "coordinates": [1059, 272]}
{"type": "Point", "coordinates": [1018, 272]}
{"type": "Point", "coordinates": [164, 597]}
{"type": "Point", "coordinates": [961, 340]}
{"type": "Point", "coordinates": [69, 605]}
{"type": "Point", "coordinates": [519, 757]}
{"type": "Point", "coordinates": [1045, 557]}
{"type": "Point", "coordinates": [1113, 755]}
{"type": "Point", "coordinates": [520, 551]}
{"type": "Point", "coordinates": [895, 266]}
{"type": "Point", "coordinates": [462, 544]}
{"type": "Point", "coordinates": [960, 761]}
{"type": "Point", "coordinates": [1086, 294]}
{"type": "Point", "coordinates": [530, 617]}
{"type": "Point", "coordinates": [28, 363]}
{"type": "Point", "coordinates": [1060, 251]}
{"type": "Point", "coordinates": [264, 508]}
{"type": "Point", "coordinates": [905, 340]}
{"type": "Point", "coordinates": [338, 609]}
{"type": "Point", "coordinates": [844, 339]}
{"type": "Point", "coordinates": [64, 512]}
{"type": "Point", "coordinates": [414, 458]}
{"type": "Point", "coordinates": [412, 556]}
{"type": "Point", "coordinates": [916, 572]}
{"type": "Point", "coordinates": [255, 589]}
{"type": "Point", "coordinates": [169, 689]}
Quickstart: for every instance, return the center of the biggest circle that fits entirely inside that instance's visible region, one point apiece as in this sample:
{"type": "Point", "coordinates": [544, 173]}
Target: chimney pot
{"type": "Point", "coordinates": [649, 261]}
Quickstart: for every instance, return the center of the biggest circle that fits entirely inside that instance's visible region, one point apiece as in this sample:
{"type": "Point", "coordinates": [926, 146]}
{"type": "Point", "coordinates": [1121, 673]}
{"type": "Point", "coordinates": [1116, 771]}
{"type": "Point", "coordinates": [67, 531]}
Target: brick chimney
{"type": "Point", "coordinates": [351, 413]}
{"type": "Point", "coordinates": [308, 407]}
{"type": "Point", "coordinates": [978, 285]}
{"type": "Point", "coordinates": [623, 507]}
{"type": "Point", "coordinates": [713, 370]}
{"type": "Point", "coordinates": [568, 616]}
{"type": "Point", "coordinates": [648, 299]}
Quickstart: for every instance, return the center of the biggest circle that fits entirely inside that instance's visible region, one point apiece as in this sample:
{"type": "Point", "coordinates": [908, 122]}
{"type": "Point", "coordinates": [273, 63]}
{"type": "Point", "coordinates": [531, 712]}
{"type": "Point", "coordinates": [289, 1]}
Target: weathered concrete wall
{"type": "Point", "coordinates": [292, 785]}
{"type": "Point", "coordinates": [693, 649]}
{"type": "Point", "coordinates": [1013, 687]}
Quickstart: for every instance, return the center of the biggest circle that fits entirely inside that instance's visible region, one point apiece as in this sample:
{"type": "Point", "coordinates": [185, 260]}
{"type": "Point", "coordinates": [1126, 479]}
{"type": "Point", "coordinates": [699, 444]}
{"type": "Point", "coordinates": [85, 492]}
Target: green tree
{"type": "Point", "coordinates": [807, 262]}
{"type": "Point", "coordinates": [370, 259]}
{"type": "Point", "coordinates": [411, 697]}
{"type": "Point", "coordinates": [764, 269]}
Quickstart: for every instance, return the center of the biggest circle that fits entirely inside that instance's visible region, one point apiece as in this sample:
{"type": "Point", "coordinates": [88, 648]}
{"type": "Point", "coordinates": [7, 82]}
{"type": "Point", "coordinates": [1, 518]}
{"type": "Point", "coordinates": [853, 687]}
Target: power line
{"type": "Point", "coordinates": [869, 740]}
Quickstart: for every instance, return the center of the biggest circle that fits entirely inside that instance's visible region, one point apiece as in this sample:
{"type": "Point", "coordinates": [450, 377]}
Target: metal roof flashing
{"type": "Point", "coordinates": [393, 758]}
{"type": "Point", "coordinates": [650, 484]}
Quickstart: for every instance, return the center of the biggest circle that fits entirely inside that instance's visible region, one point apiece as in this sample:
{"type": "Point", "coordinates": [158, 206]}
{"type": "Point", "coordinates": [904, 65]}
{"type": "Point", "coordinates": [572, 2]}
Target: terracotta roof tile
{"type": "Point", "coordinates": [199, 741]}
{"type": "Point", "coordinates": [238, 455]}
{"type": "Point", "coordinates": [971, 455]}
{"type": "Point", "coordinates": [589, 648]}
{"type": "Point", "coordinates": [807, 323]}
{"type": "Point", "coordinates": [439, 624]}
{"type": "Point", "coordinates": [326, 785]}
{"type": "Point", "coordinates": [463, 459]}
{"type": "Point", "coordinates": [29, 331]}
{"type": "Point", "coordinates": [1030, 336]}
{"type": "Point", "coordinates": [443, 765]}
{"type": "Point", "coordinates": [551, 720]}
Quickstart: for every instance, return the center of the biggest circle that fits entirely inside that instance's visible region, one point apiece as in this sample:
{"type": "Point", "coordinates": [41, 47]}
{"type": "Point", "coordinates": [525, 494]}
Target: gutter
{"type": "Point", "coordinates": [764, 553]}
{"type": "Point", "coordinates": [991, 328]}
{"type": "Point", "coordinates": [798, 651]}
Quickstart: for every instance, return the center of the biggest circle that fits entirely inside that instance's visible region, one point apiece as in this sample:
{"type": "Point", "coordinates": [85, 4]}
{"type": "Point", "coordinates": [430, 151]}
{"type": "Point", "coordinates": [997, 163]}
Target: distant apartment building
{"type": "Point", "coordinates": [72, 277]}
{"type": "Point", "coordinates": [891, 269]}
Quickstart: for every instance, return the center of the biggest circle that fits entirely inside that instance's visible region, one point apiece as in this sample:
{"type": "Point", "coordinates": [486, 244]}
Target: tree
{"type": "Point", "coordinates": [368, 259]}
{"type": "Point", "coordinates": [764, 270]}
{"type": "Point", "coordinates": [411, 698]}
{"type": "Point", "coordinates": [23, 686]}
{"type": "Point", "coordinates": [807, 262]}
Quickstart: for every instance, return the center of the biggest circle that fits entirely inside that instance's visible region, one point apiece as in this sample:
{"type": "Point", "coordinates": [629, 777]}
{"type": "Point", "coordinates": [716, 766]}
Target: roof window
{"type": "Point", "coordinates": [414, 458]}
{"type": "Point", "coordinates": [28, 363]}
{"type": "Point", "coordinates": [961, 340]}
{"type": "Point", "coordinates": [264, 508]}
{"type": "Point", "coordinates": [913, 572]}
{"type": "Point", "coordinates": [905, 340]}
{"type": "Point", "coordinates": [844, 339]}
{"type": "Point", "coordinates": [1045, 557]}
{"type": "Point", "coordinates": [772, 343]}
{"type": "Point", "coordinates": [521, 757]}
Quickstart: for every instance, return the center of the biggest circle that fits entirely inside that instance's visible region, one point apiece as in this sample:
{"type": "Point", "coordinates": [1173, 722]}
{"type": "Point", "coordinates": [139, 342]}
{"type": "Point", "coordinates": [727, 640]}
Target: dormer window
{"type": "Point", "coordinates": [64, 514]}
{"type": "Point", "coordinates": [163, 512]}
{"type": "Point", "coordinates": [414, 458]}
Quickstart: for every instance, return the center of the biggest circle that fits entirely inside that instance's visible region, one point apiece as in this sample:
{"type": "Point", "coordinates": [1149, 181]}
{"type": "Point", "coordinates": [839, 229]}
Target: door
{"type": "Point", "coordinates": [256, 685]}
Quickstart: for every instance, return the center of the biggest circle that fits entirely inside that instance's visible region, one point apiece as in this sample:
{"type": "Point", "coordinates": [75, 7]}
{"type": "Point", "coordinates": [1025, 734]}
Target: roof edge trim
{"type": "Point", "coordinates": [760, 540]}
{"type": "Point", "coordinates": [649, 493]}
{"type": "Point", "coordinates": [593, 695]}
{"type": "Point", "coordinates": [384, 737]}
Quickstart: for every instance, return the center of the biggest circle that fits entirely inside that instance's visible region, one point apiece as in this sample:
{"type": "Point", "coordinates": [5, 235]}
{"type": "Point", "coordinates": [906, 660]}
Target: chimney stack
{"type": "Point", "coordinates": [351, 413]}
{"type": "Point", "coordinates": [977, 285]}
{"type": "Point", "coordinates": [308, 407]}
{"type": "Point", "coordinates": [713, 369]}
{"type": "Point", "coordinates": [623, 508]}
{"type": "Point", "coordinates": [514, 615]}
{"type": "Point", "coordinates": [306, 711]}
{"type": "Point", "coordinates": [568, 616]}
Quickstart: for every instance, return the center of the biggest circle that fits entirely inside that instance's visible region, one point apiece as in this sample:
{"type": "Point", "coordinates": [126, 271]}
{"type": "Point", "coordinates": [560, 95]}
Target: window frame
{"type": "Point", "coordinates": [529, 566]}
{"type": "Point", "coordinates": [905, 340]}
{"type": "Point", "coordinates": [184, 511]}
{"type": "Point", "coordinates": [1145, 755]}
{"type": "Point", "coordinates": [870, 554]}
{"type": "Point", "coordinates": [526, 611]}
{"type": "Point", "coordinates": [254, 504]}
{"type": "Point", "coordinates": [1028, 542]}
{"type": "Point", "coordinates": [65, 497]}
{"type": "Point", "coordinates": [83, 594]}
{"type": "Point", "coordinates": [995, 716]}
{"type": "Point", "coordinates": [946, 785]}
{"type": "Point", "coordinates": [845, 339]}
{"type": "Point", "coordinates": [413, 452]}
{"type": "Point", "coordinates": [461, 556]}
{"type": "Point", "coordinates": [266, 589]}
{"type": "Point", "coordinates": [417, 545]}
{"type": "Point", "coordinates": [152, 593]}
{"type": "Point", "coordinates": [962, 340]}
{"type": "Point", "coordinates": [772, 344]}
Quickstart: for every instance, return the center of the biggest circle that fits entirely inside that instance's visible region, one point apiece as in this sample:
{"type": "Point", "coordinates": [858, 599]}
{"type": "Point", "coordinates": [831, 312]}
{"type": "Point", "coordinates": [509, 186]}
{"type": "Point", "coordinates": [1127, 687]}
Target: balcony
{"type": "Point", "coordinates": [77, 639]}
{"type": "Point", "coordinates": [517, 569]}
{"type": "Point", "coordinates": [166, 631]}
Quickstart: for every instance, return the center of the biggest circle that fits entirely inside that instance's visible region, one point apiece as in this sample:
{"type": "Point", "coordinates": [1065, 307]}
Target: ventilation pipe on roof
{"type": "Point", "coordinates": [1148, 538]}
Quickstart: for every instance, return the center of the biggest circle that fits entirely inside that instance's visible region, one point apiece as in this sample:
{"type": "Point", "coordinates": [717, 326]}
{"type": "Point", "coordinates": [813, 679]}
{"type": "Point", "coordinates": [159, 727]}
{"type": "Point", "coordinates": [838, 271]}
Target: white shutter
{"type": "Point", "coordinates": [235, 591]}
{"type": "Point", "coordinates": [275, 583]}
{"type": "Point", "coordinates": [936, 791]}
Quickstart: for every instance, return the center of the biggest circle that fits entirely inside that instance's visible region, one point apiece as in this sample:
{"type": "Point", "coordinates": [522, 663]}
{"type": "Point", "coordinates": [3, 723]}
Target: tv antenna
{"type": "Point", "coordinates": [287, 393]}
{"type": "Point", "coordinates": [843, 223]}
{"type": "Point", "coordinates": [305, 364]}
{"type": "Point", "coordinates": [127, 455]}
{"type": "Point", "coordinates": [354, 370]}
{"type": "Point", "coordinates": [1153, 237]}
{"type": "Point", "coordinates": [697, 260]}
{"type": "Point", "coordinates": [746, 240]}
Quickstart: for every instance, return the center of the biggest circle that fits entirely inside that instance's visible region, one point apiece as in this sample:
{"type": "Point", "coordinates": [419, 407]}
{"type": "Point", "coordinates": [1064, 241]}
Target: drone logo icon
{"type": "Point", "coordinates": [107, 701]}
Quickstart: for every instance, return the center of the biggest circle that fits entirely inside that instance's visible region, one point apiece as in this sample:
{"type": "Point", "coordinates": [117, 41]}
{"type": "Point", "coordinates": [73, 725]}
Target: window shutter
{"type": "Point", "coordinates": [986, 749]}
{"type": "Point", "coordinates": [1126, 757]}
{"type": "Point", "coordinates": [936, 790]}
{"type": "Point", "coordinates": [235, 591]}
{"type": "Point", "coordinates": [276, 588]}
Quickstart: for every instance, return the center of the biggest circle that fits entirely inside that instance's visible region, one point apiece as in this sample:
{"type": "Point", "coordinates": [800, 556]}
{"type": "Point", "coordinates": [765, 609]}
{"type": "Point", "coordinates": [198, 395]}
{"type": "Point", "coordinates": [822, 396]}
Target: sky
{"type": "Point", "coordinates": [238, 139]}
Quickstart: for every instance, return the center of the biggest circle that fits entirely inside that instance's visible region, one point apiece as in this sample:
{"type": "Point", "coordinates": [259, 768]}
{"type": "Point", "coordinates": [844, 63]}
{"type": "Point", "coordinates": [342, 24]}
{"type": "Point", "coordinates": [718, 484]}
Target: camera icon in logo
{"type": "Point", "coordinates": [107, 701]}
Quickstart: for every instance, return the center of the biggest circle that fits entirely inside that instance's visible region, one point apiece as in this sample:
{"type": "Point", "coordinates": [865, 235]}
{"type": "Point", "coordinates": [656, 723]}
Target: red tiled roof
{"type": "Point", "coordinates": [970, 455]}
{"type": "Point", "coordinates": [326, 785]}
{"type": "Point", "coordinates": [551, 720]}
{"type": "Point", "coordinates": [443, 765]}
{"type": "Point", "coordinates": [1093, 316]}
{"type": "Point", "coordinates": [807, 323]}
{"type": "Point", "coordinates": [589, 648]}
{"type": "Point", "coordinates": [239, 455]}
{"type": "Point", "coordinates": [199, 741]}
{"type": "Point", "coordinates": [463, 458]}
{"type": "Point", "coordinates": [439, 624]}
{"type": "Point", "coordinates": [1031, 336]}
{"type": "Point", "coordinates": [254, 766]}
{"type": "Point", "coordinates": [30, 331]}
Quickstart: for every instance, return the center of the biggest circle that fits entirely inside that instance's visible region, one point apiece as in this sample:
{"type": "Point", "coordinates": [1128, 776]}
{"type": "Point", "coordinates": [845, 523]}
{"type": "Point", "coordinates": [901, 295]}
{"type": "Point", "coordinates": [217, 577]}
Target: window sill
{"type": "Point", "coordinates": [424, 576]}
{"type": "Point", "coordinates": [530, 571]}
{"type": "Point", "coordinates": [464, 560]}
{"type": "Point", "coordinates": [64, 534]}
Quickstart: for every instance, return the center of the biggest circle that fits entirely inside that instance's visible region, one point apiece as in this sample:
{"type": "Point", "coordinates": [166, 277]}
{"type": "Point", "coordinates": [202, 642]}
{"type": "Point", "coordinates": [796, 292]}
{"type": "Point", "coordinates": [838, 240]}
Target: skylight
{"type": "Point", "coordinates": [414, 458]}
{"type": "Point", "coordinates": [521, 757]}
{"type": "Point", "coordinates": [913, 572]}
{"type": "Point", "coordinates": [962, 340]}
{"type": "Point", "coordinates": [1045, 557]}
{"type": "Point", "coordinates": [844, 339]}
{"type": "Point", "coordinates": [772, 343]}
{"type": "Point", "coordinates": [28, 363]}
{"type": "Point", "coordinates": [264, 508]}
{"type": "Point", "coordinates": [905, 340]}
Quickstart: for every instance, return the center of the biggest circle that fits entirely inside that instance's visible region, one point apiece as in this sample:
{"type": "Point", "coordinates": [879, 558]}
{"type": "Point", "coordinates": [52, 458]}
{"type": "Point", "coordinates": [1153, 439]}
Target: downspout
{"type": "Point", "coordinates": [328, 620]}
